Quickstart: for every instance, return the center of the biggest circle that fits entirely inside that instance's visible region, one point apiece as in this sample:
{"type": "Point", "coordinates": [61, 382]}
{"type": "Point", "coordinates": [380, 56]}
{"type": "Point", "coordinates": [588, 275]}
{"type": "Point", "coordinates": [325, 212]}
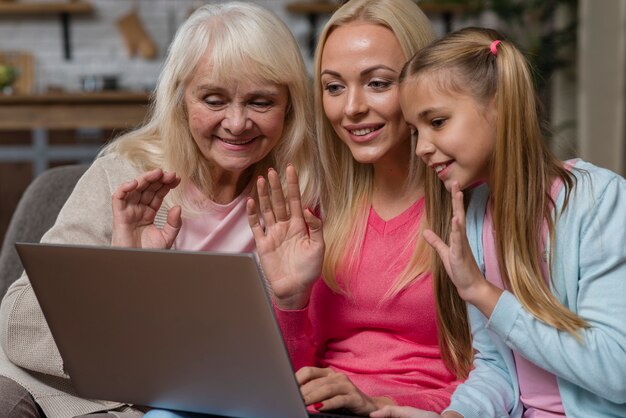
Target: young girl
{"type": "Point", "coordinates": [366, 334]}
{"type": "Point", "coordinates": [547, 289]}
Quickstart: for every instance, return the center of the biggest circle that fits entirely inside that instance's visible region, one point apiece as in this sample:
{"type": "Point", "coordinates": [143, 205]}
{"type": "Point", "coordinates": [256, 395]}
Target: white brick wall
{"type": "Point", "coordinates": [98, 47]}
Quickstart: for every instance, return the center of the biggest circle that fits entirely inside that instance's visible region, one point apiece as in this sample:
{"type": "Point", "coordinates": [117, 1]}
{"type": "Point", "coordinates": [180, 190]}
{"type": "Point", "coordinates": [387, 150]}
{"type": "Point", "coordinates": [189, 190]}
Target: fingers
{"type": "Point", "coordinates": [315, 226]}
{"type": "Point", "coordinates": [386, 412]}
{"type": "Point", "coordinates": [119, 196]}
{"type": "Point", "coordinates": [458, 209]}
{"type": "Point", "coordinates": [327, 387]}
{"type": "Point", "coordinates": [306, 374]}
{"type": "Point", "coordinates": [148, 189]}
{"type": "Point", "coordinates": [254, 220]}
{"type": "Point", "coordinates": [293, 191]}
{"type": "Point", "coordinates": [329, 390]}
{"type": "Point", "coordinates": [272, 202]}
{"type": "Point", "coordinates": [455, 238]}
{"type": "Point", "coordinates": [458, 235]}
{"type": "Point", "coordinates": [394, 411]}
{"type": "Point", "coordinates": [438, 245]}
{"type": "Point", "coordinates": [150, 182]}
{"type": "Point", "coordinates": [154, 187]}
{"type": "Point", "coordinates": [172, 226]}
{"type": "Point", "coordinates": [434, 241]}
{"type": "Point", "coordinates": [276, 196]}
{"type": "Point", "coordinates": [125, 188]}
{"type": "Point", "coordinates": [265, 205]}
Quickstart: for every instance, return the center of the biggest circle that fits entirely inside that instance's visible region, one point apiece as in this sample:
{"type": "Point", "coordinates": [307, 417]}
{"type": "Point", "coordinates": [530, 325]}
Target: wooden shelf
{"type": "Point", "coordinates": [328, 7]}
{"type": "Point", "coordinates": [16, 8]}
{"type": "Point", "coordinates": [61, 8]}
{"type": "Point", "coordinates": [312, 9]}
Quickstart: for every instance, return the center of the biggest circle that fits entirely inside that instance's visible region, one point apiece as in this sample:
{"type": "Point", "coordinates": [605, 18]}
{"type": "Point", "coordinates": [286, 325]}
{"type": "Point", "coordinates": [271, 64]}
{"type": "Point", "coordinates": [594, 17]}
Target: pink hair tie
{"type": "Point", "coordinates": [494, 47]}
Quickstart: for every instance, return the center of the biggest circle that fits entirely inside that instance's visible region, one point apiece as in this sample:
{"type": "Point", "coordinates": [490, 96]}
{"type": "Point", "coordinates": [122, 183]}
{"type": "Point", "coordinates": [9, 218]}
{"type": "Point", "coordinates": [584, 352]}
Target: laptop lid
{"type": "Point", "coordinates": [192, 331]}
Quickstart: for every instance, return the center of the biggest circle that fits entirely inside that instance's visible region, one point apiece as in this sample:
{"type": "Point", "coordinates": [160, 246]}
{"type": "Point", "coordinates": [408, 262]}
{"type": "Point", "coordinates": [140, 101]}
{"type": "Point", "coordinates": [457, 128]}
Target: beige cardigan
{"type": "Point", "coordinates": [28, 354]}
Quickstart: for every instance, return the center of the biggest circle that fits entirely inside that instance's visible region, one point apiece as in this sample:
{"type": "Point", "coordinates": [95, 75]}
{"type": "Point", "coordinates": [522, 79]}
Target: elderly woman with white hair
{"type": "Point", "coordinates": [232, 100]}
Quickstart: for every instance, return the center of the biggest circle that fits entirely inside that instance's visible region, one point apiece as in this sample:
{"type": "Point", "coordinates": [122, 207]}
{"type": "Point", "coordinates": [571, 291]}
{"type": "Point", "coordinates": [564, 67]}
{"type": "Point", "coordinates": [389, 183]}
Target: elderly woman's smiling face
{"type": "Point", "coordinates": [234, 123]}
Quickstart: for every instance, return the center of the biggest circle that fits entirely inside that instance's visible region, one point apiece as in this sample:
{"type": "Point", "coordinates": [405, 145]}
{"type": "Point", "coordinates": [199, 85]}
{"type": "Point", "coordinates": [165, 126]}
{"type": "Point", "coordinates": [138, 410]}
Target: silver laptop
{"type": "Point", "coordinates": [189, 331]}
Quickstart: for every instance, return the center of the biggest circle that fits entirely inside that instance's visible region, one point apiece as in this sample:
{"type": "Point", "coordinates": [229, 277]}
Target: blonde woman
{"type": "Point", "coordinates": [232, 100]}
{"type": "Point", "coordinates": [366, 334]}
{"type": "Point", "coordinates": [547, 280]}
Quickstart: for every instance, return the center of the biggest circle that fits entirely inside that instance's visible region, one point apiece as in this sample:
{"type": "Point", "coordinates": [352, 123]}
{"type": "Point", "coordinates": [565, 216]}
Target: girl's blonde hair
{"type": "Point", "coordinates": [244, 41]}
{"type": "Point", "coordinates": [347, 184]}
{"type": "Point", "coordinates": [523, 169]}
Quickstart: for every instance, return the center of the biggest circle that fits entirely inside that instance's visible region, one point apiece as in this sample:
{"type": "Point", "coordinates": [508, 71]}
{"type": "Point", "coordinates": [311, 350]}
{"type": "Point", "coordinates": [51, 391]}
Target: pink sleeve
{"type": "Point", "coordinates": [435, 400]}
{"type": "Point", "coordinates": [297, 334]}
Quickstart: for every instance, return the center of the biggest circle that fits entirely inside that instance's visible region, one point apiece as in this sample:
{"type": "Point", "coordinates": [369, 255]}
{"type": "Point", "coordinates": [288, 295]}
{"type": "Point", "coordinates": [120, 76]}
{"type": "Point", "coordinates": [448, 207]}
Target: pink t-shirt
{"type": "Point", "coordinates": [538, 387]}
{"type": "Point", "coordinates": [387, 348]}
{"type": "Point", "coordinates": [216, 227]}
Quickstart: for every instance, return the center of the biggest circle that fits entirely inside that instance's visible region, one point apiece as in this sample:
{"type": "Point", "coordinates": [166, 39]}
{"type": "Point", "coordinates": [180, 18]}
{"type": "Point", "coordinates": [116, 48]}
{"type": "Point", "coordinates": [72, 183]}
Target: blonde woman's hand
{"type": "Point", "coordinates": [328, 390]}
{"type": "Point", "coordinates": [395, 411]}
{"type": "Point", "coordinates": [290, 243]}
{"type": "Point", "coordinates": [459, 261]}
{"type": "Point", "coordinates": [135, 205]}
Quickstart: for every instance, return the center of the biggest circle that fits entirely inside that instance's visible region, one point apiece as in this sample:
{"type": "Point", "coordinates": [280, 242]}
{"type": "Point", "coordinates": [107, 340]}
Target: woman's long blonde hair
{"type": "Point", "coordinates": [245, 41]}
{"type": "Point", "coordinates": [347, 184]}
{"type": "Point", "coordinates": [523, 169]}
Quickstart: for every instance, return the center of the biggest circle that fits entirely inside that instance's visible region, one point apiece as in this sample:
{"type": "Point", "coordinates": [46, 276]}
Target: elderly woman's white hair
{"type": "Point", "coordinates": [243, 41]}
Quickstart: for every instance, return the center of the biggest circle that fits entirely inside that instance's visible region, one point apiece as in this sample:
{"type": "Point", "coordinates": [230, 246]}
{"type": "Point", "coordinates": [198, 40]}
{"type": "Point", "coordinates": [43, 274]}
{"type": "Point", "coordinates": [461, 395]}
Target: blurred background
{"type": "Point", "coordinates": [75, 73]}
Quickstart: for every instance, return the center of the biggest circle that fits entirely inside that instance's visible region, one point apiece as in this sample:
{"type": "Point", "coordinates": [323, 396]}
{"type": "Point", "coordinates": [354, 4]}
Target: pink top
{"type": "Point", "coordinates": [222, 228]}
{"type": "Point", "coordinates": [539, 389]}
{"type": "Point", "coordinates": [387, 348]}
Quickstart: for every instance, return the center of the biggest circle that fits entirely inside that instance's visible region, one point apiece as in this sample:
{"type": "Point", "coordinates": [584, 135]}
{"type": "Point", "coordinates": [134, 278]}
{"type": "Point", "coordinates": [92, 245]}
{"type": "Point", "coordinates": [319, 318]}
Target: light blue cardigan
{"type": "Point", "coordinates": [589, 275]}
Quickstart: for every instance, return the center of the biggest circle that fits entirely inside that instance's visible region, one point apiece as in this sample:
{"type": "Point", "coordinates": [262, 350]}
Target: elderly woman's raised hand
{"type": "Point", "coordinates": [290, 241]}
{"type": "Point", "coordinates": [135, 205]}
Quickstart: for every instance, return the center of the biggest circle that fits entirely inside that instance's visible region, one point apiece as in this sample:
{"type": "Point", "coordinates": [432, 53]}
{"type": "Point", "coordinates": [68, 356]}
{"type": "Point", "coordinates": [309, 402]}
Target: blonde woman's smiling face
{"type": "Point", "coordinates": [360, 66]}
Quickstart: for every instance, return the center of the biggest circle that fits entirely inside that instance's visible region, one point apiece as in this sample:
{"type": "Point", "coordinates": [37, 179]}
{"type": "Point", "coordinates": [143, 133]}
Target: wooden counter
{"type": "Point", "coordinates": [43, 130]}
{"type": "Point", "coordinates": [107, 110]}
{"type": "Point", "coordinates": [97, 113]}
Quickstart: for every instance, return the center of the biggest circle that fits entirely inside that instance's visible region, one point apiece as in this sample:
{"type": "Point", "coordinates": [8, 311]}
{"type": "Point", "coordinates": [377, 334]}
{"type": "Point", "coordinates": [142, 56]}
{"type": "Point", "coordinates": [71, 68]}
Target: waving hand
{"type": "Point", "coordinates": [290, 241]}
{"type": "Point", "coordinates": [135, 205]}
{"type": "Point", "coordinates": [459, 261]}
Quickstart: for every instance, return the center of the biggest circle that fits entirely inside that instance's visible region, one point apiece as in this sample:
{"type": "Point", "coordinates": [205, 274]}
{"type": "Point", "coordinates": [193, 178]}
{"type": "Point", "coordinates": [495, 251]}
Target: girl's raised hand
{"type": "Point", "coordinates": [135, 205]}
{"type": "Point", "coordinates": [290, 241]}
{"type": "Point", "coordinates": [459, 261]}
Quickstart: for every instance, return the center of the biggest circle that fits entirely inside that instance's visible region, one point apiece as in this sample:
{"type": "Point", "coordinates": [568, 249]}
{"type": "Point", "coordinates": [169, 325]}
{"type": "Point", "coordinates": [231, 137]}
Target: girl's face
{"type": "Point", "coordinates": [235, 124]}
{"type": "Point", "coordinates": [360, 66]}
{"type": "Point", "coordinates": [456, 135]}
